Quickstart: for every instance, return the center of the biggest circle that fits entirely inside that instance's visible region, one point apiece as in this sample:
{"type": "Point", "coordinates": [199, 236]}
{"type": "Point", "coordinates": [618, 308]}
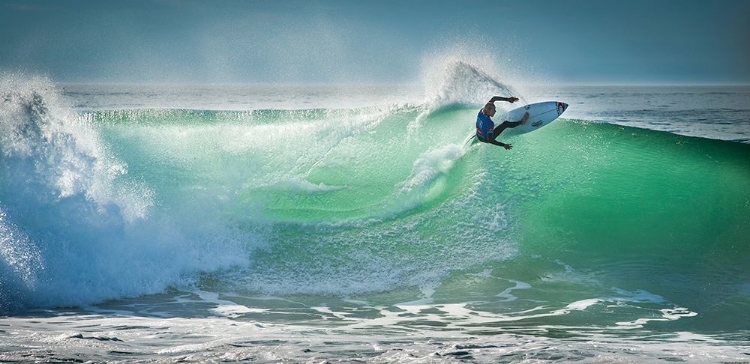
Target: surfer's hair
{"type": "Point", "coordinates": [488, 107]}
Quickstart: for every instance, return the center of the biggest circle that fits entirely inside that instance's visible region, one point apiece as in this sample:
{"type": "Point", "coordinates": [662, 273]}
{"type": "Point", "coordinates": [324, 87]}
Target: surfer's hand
{"type": "Point", "coordinates": [507, 146]}
{"type": "Point", "coordinates": [512, 99]}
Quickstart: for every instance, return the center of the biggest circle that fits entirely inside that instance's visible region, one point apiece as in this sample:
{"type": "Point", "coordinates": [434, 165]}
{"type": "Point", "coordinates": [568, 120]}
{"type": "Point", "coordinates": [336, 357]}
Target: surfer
{"type": "Point", "coordinates": [486, 130]}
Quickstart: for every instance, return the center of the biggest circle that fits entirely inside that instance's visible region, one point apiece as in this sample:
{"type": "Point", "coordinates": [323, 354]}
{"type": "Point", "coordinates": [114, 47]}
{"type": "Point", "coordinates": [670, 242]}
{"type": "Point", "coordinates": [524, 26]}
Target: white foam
{"type": "Point", "coordinates": [582, 304]}
{"type": "Point", "coordinates": [77, 227]}
{"type": "Point", "coordinates": [19, 253]}
{"type": "Point", "coordinates": [429, 166]}
{"type": "Point", "coordinates": [506, 294]}
{"type": "Point", "coordinates": [303, 185]}
{"type": "Point", "coordinates": [220, 339]}
{"type": "Point", "coordinates": [37, 127]}
{"type": "Point", "coordinates": [668, 314]}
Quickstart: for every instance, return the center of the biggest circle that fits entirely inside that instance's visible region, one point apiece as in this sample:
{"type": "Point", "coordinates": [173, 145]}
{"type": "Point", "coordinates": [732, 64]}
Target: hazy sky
{"type": "Point", "coordinates": [375, 41]}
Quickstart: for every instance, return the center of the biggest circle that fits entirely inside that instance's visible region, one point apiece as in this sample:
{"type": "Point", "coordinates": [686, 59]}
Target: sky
{"type": "Point", "coordinates": [375, 41]}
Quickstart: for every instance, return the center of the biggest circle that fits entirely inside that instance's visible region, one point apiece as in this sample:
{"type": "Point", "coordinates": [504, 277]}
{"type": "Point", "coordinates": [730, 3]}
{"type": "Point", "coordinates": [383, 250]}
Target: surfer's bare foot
{"type": "Point", "coordinates": [524, 118]}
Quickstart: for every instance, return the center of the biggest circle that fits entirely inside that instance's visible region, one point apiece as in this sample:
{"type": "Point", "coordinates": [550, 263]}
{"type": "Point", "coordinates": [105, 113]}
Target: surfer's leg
{"type": "Point", "coordinates": [510, 124]}
{"type": "Point", "coordinates": [504, 125]}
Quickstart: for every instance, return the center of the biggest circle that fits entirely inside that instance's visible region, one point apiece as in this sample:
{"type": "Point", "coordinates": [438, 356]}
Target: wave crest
{"type": "Point", "coordinates": [42, 143]}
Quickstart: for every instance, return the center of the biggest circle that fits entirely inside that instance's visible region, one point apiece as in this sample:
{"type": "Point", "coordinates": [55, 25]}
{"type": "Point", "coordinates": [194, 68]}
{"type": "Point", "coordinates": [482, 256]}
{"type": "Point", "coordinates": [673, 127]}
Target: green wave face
{"type": "Point", "coordinates": [380, 201]}
{"type": "Point", "coordinates": [636, 209]}
{"type": "Point", "coordinates": [576, 190]}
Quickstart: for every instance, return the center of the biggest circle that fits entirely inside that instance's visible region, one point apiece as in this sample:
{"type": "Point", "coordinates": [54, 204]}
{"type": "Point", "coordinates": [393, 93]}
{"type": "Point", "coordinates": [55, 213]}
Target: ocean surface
{"type": "Point", "coordinates": [315, 223]}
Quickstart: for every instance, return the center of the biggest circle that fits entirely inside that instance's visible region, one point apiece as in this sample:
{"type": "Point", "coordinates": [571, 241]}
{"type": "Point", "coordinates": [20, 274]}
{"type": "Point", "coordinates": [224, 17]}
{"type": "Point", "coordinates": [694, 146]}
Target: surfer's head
{"type": "Point", "coordinates": [489, 109]}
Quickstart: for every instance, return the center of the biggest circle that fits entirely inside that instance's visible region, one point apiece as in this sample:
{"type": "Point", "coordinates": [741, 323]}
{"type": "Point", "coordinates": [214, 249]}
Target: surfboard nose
{"type": "Point", "coordinates": [561, 107]}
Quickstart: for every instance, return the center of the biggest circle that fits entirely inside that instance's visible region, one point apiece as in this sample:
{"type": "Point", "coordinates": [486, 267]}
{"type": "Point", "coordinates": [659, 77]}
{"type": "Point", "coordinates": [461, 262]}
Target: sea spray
{"type": "Point", "coordinates": [77, 227]}
{"type": "Point", "coordinates": [460, 77]}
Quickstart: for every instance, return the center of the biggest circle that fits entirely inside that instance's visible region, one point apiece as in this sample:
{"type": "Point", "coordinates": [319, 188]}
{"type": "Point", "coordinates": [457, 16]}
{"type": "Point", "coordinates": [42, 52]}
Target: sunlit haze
{"type": "Point", "coordinates": [349, 42]}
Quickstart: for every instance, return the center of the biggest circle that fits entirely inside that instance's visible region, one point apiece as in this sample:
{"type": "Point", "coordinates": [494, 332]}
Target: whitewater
{"type": "Point", "coordinates": [312, 223]}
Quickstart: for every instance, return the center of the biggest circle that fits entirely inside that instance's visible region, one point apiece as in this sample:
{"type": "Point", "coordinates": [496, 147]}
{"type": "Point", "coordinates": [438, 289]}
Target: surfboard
{"type": "Point", "coordinates": [540, 114]}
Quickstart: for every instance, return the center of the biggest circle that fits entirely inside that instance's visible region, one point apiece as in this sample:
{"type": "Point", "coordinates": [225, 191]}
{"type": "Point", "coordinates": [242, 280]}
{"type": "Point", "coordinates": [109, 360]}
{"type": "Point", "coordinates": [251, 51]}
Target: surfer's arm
{"type": "Point", "coordinates": [511, 99]}
{"type": "Point", "coordinates": [506, 146]}
{"type": "Point", "coordinates": [500, 144]}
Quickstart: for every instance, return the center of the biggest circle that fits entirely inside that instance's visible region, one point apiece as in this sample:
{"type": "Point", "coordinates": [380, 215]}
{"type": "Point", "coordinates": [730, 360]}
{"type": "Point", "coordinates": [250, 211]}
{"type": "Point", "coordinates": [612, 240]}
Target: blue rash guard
{"type": "Point", "coordinates": [485, 127]}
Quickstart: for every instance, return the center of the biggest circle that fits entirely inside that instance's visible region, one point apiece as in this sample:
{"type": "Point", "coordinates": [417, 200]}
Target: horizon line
{"type": "Point", "coordinates": [404, 84]}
